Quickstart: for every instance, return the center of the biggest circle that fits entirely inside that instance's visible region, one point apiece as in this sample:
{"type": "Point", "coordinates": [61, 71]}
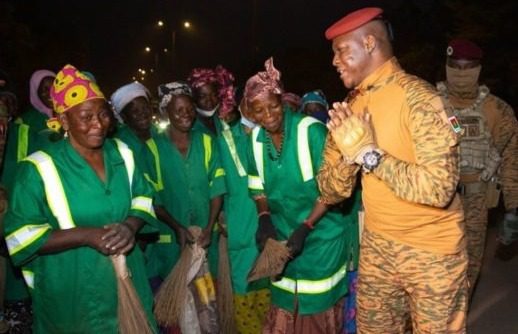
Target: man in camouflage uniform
{"type": "Point", "coordinates": [413, 258]}
{"type": "Point", "coordinates": [488, 150]}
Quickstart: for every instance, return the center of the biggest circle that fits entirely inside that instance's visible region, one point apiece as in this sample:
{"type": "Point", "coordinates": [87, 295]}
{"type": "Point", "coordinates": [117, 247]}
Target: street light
{"type": "Point", "coordinates": [187, 24]}
{"type": "Point", "coordinates": [147, 49]}
{"type": "Point", "coordinates": [160, 23]}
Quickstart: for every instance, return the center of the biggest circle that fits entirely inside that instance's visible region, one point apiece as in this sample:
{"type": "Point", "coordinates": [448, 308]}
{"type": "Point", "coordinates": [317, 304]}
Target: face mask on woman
{"type": "Point", "coordinates": [207, 113]}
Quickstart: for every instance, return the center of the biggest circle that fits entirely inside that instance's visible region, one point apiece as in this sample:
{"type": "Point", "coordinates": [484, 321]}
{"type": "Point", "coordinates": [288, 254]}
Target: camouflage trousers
{"type": "Point", "coordinates": [475, 221]}
{"type": "Point", "coordinates": [396, 281]}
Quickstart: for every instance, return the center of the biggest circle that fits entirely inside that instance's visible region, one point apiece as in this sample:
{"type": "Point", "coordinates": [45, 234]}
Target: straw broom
{"type": "Point", "coordinates": [271, 261]}
{"type": "Point", "coordinates": [225, 295]}
{"type": "Point", "coordinates": [132, 318]}
{"type": "Point", "coordinates": [172, 296]}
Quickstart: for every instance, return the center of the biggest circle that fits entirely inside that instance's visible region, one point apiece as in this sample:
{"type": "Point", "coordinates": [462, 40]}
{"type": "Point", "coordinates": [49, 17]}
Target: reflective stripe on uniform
{"type": "Point", "coordinates": [303, 152]}
{"type": "Point", "coordinates": [23, 142]}
{"type": "Point", "coordinates": [144, 204]}
{"type": "Point", "coordinates": [56, 197]}
{"type": "Point", "coordinates": [311, 287]}
{"type": "Point", "coordinates": [29, 278]}
{"type": "Point", "coordinates": [207, 146]}
{"type": "Point", "coordinates": [159, 184]}
{"type": "Point", "coordinates": [227, 135]}
{"type": "Point", "coordinates": [165, 239]}
{"type": "Point", "coordinates": [127, 156]}
{"type": "Point", "coordinates": [255, 183]}
{"type": "Point", "coordinates": [257, 148]}
{"type": "Point", "coordinates": [24, 237]}
{"type": "Point", "coordinates": [219, 172]}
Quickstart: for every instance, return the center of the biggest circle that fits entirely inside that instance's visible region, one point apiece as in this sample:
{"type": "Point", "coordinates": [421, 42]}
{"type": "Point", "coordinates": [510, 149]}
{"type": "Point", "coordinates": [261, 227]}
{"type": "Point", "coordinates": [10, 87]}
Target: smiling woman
{"type": "Point", "coordinates": [74, 204]}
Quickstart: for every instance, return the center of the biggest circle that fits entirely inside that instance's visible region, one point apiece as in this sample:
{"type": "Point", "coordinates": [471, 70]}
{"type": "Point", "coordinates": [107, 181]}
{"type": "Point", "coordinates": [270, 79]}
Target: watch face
{"type": "Point", "coordinates": [371, 160]}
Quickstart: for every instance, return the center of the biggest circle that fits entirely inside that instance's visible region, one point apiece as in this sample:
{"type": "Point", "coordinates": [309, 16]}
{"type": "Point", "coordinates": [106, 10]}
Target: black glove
{"type": "Point", "coordinates": [264, 231]}
{"type": "Point", "coordinates": [297, 239]}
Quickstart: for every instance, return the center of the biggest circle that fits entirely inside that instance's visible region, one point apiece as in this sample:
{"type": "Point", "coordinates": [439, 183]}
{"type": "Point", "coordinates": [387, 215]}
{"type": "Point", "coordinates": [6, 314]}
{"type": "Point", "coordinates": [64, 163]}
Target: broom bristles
{"type": "Point", "coordinates": [225, 298]}
{"type": "Point", "coordinates": [172, 295]}
{"type": "Point", "coordinates": [271, 261]}
{"type": "Point", "coordinates": [132, 318]}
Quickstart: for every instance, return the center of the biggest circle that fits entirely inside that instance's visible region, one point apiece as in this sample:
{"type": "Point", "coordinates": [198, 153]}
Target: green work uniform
{"type": "Point", "coordinates": [75, 291]}
{"type": "Point", "coordinates": [316, 279]}
{"type": "Point", "coordinates": [148, 161]}
{"type": "Point", "coordinates": [190, 183]}
{"type": "Point", "coordinates": [239, 207]}
{"type": "Point", "coordinates": [33, 118]}
{"type": "Point", "coordinates": [21, 141]}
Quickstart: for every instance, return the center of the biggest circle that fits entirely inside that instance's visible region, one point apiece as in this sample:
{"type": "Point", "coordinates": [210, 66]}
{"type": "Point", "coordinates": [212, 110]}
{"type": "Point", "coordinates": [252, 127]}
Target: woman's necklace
{"type": "Point", "coordinates": [274, 153]}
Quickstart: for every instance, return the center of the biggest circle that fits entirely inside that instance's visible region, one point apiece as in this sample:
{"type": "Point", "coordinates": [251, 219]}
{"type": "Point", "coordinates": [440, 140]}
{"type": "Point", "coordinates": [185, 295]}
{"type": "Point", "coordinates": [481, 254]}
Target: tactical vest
{"type": "Point", "coordinates": [477, 152]}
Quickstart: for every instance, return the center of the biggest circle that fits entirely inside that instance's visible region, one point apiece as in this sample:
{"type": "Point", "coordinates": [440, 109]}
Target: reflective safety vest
{"type": "Point", "coordinates": [58, 202]}
{"type": "Point", "coordinates": [303, 153]}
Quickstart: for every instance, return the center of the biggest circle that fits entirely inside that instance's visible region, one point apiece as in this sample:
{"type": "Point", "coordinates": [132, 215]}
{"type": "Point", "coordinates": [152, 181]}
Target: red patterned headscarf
{"type": "Point", "coordinates": [224, 81]}
{"type": "Point", "coordinates": [264, 82]}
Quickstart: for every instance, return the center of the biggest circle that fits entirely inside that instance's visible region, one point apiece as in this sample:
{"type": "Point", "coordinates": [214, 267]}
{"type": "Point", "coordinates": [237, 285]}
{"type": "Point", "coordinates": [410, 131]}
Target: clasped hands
{"type": "Point", "coordinates": [352, 133]}
{"type": "Point", "coordinates": [116, 238]}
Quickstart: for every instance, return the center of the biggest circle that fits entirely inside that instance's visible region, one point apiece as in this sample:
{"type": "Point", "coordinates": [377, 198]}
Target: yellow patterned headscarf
{"type": "Point", "coordinates": [71, 87]}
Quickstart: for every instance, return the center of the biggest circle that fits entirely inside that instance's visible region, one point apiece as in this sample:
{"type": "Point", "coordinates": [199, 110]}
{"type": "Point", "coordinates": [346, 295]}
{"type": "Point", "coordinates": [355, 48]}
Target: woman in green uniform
{"type": "Point", "coordinates": [40, 110]}
{"type": "Point", "coordinates": [133, 109]}
{"type": "Point", "coordinates": [286, 153]}
{"type": "Point", "coordinates": [74, 204]}
{"type": "Point", "coordinates": [193, 178]}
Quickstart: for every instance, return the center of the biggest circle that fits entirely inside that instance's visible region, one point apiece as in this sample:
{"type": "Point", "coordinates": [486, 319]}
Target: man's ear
{"type": "Point", "coordinates": [369, 43]}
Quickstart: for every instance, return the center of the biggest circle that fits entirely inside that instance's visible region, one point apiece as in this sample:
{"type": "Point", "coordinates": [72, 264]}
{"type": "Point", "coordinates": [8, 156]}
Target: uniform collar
{"type": "Point", "coordinates": [381, 75]}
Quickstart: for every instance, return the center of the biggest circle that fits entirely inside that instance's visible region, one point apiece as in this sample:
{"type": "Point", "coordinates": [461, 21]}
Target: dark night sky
{"type": "Point", "coordinates": [108, 38]}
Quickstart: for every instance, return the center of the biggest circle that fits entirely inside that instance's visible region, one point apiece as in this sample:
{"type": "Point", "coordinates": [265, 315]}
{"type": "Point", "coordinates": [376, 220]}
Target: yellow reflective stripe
{"type": "Point", "coordinates": [219, 172]}
{"type": "Point", "coordinates": [24, 237]}
{"type": "Point", "coordinates": [56, 198]}
{"type": "Point", "coordinates": [23, 142]}
{"type": "Point", "coordinates": [227, 135]}
{"type": "Point", "coordinates": [304, 154]}
{"type": "Point", "coordinates": [29, 278]}
{"type": "Point", "coordinates": [255, 183]}
{"type": "Point", "coordinates": [208, 150]}
{"type": "Point", "coordinates": [144, 204]}
{"type": "Point", "coordinates": [127, 156]}
{"type": "Point", "coordinates": [257, 147]}
{"type": "Point", "coordinates": [311, 287]}
{"type": "Point", "coordinates": [165, 239]}
{"type": "Point", "coordinates": [159, 184]}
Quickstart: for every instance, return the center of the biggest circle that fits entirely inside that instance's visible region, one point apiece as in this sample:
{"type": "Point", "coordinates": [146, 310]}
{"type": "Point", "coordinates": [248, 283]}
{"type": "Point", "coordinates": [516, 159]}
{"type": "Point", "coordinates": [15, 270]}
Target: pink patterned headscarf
{"type": "Point", "coordinates": [71, 87]}
{"type": "Point", "coordinates": [264, 82]}
{"type": "Point", "coordinates": [224, 81]}
{"type": "Point", "coordinates": [35, 82]}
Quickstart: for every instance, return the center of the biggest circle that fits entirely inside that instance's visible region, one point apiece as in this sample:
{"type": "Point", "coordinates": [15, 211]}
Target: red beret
{"type": "Point", "coordinates": [463, 49]}
{"type": "Point", "coordinates": [353, 21]}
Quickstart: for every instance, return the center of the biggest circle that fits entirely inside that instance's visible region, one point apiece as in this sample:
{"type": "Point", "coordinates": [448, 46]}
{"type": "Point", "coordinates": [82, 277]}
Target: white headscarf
{"type": "Point", "coordinates": [126, 94]}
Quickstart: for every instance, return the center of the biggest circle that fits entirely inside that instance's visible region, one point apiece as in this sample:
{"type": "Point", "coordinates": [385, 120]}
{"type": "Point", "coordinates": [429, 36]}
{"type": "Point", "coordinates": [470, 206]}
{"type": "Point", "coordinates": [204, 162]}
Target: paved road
{"type": "Point", "coordinates": [495, 303]}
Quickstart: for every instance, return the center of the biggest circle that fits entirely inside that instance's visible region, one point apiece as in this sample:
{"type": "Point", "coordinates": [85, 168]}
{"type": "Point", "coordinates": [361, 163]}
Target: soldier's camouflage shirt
{"type": "Point", "coordinates": [410, 197]}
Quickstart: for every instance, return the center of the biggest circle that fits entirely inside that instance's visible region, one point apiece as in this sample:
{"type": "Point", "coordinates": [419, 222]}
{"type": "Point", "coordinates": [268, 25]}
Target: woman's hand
{"type": "Point", "coordinates": [183, 236]}
{"type": "Point", "coordinates": [119, 238]}
{"type": "Point", "coordinates": [205, 238]}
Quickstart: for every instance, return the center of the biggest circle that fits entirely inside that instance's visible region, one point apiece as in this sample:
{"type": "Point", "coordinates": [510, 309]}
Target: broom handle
{"type": "Point", "coordinates": [119, 263]}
